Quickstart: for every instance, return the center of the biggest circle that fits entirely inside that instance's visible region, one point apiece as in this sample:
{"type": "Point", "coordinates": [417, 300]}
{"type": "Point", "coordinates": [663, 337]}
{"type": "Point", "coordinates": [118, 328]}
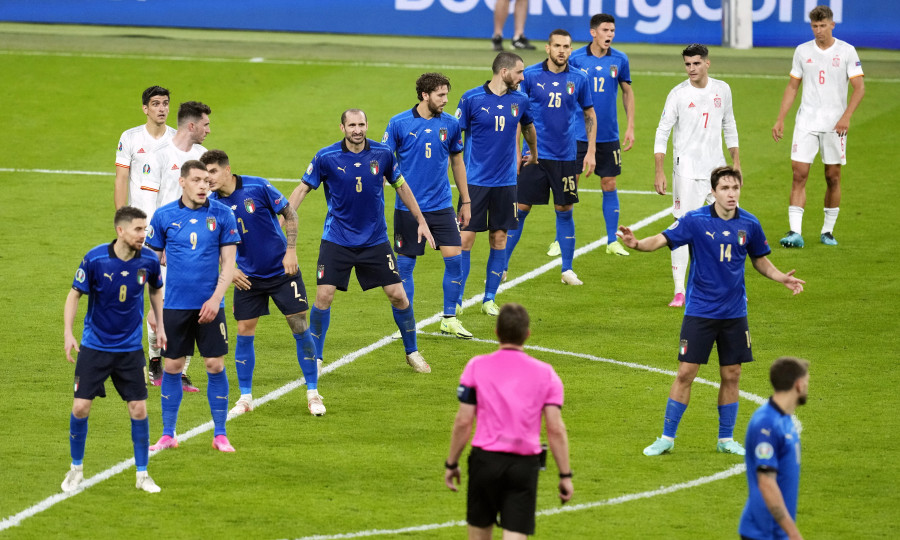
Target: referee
{"type": "Point", "coordinates": [508, 392]}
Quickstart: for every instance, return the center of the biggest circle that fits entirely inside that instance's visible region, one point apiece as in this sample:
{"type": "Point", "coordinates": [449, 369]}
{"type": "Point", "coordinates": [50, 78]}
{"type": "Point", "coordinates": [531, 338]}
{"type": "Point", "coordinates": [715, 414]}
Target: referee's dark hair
{"type": "Point", "coordinates": [786, 371]}
{"type": "Point", "coordinates": [512, 324]}
{"type": "Point", "coordinates": [127, 214]}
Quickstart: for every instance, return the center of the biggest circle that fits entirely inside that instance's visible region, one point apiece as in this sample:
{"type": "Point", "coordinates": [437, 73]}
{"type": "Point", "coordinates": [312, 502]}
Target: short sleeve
{"type": "Point", "coordinates": [797, 65]}
{"type": "Point", "coordinates": [625, 71]}
{"type": "Point", "coordinates": [759, 245]}
{"type": "Point", "coordinates": [228, 233]}
{"type": "Point", "coordinates": [154, 272]}
{"type": "Point", "coordinates": [275, 199]}
{"type": "Point", "coordinates": [585, 98]}
{"type": "Point", "coordinates": [313, 175]}
{"type": "Point", "coordinates": [156, 232]}
{"type": "Point", "coordinates": [554, 390]}
{"type": "Point", "coordinates": [456, 143]}
{"type": "Point", "coordinates": [123, 152]}
{"type": "Point", "coordinates": [679, 233]}
{"type": "Point", "coordinates": [764, 446]}
{"type": "Point", "coordinates": [82, 281]}
{"type": "Point", "coordinates": [854, 66]}
{"type": "Point", "coordinates": [462, 113]}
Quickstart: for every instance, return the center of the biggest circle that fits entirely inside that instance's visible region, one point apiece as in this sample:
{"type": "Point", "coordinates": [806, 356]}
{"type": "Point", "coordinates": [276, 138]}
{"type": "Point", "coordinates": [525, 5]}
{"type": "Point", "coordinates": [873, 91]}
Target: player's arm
{"type": "Point", "coordinates": [529, 133]}
{"type": "Point", "coordinates": [69, 312]}
{"type": "Point", "coordinates": [735, 158]}
{"type": "Point", "coordinates": [628, 103]}
{"type": "Point", "coordinates": [210, 308]}
{"type": "Point", "coordinates": [462, 430]}
{"type": "Point", "coordinates": [406, 195]}
{"type": "Point", "coordinates": [651, 243]}
{"type": "Point", "coordinates": [290, 232]}
{"type": "Point", "coordinates": [458, 166]}
{"type": "Point", "coordinates": [558, 440]}
{"type": "Point", "coordinates": [859, 90]}
{"type": "Point", "coordinates": [771, 494]}
{"type": "Point", "coordinates": [299, 194]}
{"type": "Point", "coordinates": [120, 190]}
{"type": "Point", "coordinates": [156, 322]}
{"type": "Point", "coordinates": [765, 267]}
{"type": "Point", "coordinates": [590, 126]}
{"type": "Point", "coordinates": [659, 183]}
{"type": "Point", "coordinates": [787, 101]}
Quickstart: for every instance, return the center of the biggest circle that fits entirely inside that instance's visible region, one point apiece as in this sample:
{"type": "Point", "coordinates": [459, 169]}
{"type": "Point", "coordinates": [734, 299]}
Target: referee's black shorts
{"type": "Point", "coordinates": [502, 483]}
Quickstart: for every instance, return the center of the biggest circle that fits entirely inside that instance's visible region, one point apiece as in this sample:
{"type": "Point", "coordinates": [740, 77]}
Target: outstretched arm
{"type": "Point", "coordinates": [651, 243]}
{"type": "Point", "coordinates": [765, 267]}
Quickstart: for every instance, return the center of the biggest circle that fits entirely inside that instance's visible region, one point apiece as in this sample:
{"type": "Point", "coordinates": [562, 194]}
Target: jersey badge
{"type": "Point", "coordinates": [141, 151]}
{"type": "Point", "coordinates": [211, 224]}
{"type": "Point", "coordinates": [309, 169]}
{"type": "Point", "coordinates": [570, 88]}
{"type": "Point", "coordinates": [120, 146]}
{"type": "Point", "coordinates": [249, 206]}
{"type": "Point", "coordinates": [146, 169]}
{"type": "Point", "coordinates": [613, 71]}
{"type": "Point", "coordinates": [742, 238]}
{"type": "Point", "coordinates": [149, 231]}
{"type": "Point", "coordinates": [428, 130]}
{"type": "Point", "coordinates": [682, 348]}
{"type": "Point", "coordinates": [691, 106]}
{"type": "Point", "coordinates": [764, 450]}
{"type": "Point", "coordinates": [142, 276]}
{"type": "Point", "coordinates": [384, 137]}
{"type": "Point", "coordinates": [357, 164]}
{"type": "Point", "coordinates": [373, 166]}
{"type": "Point", "coordinates": [836, 61]}
{"type": "Point", "coordinates": [677, 205]}
{"type": "Point", "coordinates": [672, 226]}
{"type": "Point", "coordinates": [174, 167]}
{"type": "Point", "coordinates": [458, 113]}
{"type": "Point", "coordinates": [515, 109]}
{"type": "Point", "coordinates": [79, 275]}
{"type": "Point", "coordinates": [124, 273]}
{"type": "Point", "coordinates": [443, 134]}
{"type": "Point", "coordinates": [717, 101]}
{"type": "Point", "coordinates": [320, 272]}
{"type": "Point", "coordinates": [499, 107]}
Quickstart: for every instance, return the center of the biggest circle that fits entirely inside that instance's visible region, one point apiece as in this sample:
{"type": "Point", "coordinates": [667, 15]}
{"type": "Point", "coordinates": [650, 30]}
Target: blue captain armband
{"type": "Point", "coordinates": [466, 394]}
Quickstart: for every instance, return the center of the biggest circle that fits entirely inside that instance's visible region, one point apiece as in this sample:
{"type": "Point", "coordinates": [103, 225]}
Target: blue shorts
{"type": "Point", "coordinates": [375, 265]}
{"type": "Point", "coordinates": [493, 209]}
{"type": "Point", "coordinates": [126, 369]}
{"type": "Point", "coordinates": [536, 182]}
{"type": "Point", "coordinates": [183, 329]}
{"type": "Point", "coordinates": [608, 157]}
{"type": "Point", "coordinates": [442, 224]}
{"type": "Point", "coordinates": [505, 484]}
{"type": "Point", "coordinates": [286, 291]}
{"type": "Point", "coordinates": [731, 337]}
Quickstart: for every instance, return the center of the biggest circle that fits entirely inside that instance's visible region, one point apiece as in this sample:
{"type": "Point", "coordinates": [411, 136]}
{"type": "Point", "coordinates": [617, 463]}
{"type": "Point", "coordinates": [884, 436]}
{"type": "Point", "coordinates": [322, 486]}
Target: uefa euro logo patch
{"type": "Point", "coordinates": [764, 450]}
{"type": "Point", "coordinates": [80, 275]}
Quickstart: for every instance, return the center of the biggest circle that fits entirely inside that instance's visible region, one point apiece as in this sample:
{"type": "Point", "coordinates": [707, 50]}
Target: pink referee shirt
{"type": "Point", "coordinates": [511, 389]}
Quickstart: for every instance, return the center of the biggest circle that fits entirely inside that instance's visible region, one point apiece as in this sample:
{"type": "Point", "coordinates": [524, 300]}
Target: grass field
{"type": "Point", "coordinates": [374, 462]}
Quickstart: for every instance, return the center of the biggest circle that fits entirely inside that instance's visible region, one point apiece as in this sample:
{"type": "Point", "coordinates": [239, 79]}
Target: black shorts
{"type": "Point", "coordinates": [536, 182]}
{"type": "Point", "coordinates": [493, 209]}
{"type": "Point", "coordinates": [126, 369]}
{"type": "Point", "coordinates": [183, 329]}
{"type": "Point", "coordinates": [731, 336]}
{"type": "Point", "coordinates": [442, 224]}
{"type": "Point", "coordinates": [505, 484]}
{"type": "Point", "coordinates": [286, 291]}
{"type": "Point", "coordinates": [608, 157]}
{"type": "Point", "coordinates": [375, 265]}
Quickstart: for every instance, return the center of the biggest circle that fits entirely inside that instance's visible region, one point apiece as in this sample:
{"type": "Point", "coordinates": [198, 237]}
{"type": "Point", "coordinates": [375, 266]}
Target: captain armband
{"type": "Point", "coordinates": [466, 394]}
{"type": "Point", "coordinates": [400, 181]}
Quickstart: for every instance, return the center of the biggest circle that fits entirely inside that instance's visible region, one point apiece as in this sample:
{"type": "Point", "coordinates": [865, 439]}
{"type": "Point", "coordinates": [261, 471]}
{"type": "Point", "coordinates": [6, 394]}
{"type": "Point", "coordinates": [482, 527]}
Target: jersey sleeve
{"type": "Point", "coordinates": [764, 443]}
{"type": "Point", "coordinates": [554, 390]}
{"type": "Point", "coordinates": [585, 98]}
{"type": "Point", "coordinates": [82, 281]}
{"type": "Point", "coordinates": [275, 199]}
{"type": "Point", "coordinates": [625, 71]}
{"type": "Point", "coordinates": [154, 277]}
{"type": "Point", "coordinates": [666, 123]}
{"type": "Point", "coordinates": [455, 137]}
{"type": "Point", "coordinates": [314, 174]}
{"type": "Point", "coordinates": [462, 113]}
{"type": "Point", "coordinates": [228, 233]}
{"type": "Point", "coordinates": [854, 66]}
{"type": "Point", "coordinates": [797, 65]}
{"type": "Point", "coordinates": [392, 169]}
{"type": "Point", "coordinates": [729, 124]}
{"type": "Point", "coordinates": [390, 136]}
{"type": "Point", "coordinates": [123, 152]}
{"type": "Point", "coordinates": [758, 245]}
{"type": "Point", "coordinates": [525, 109]}
{"type": "Point", "coordinates": [156, 233]}
{"type": "Point", "coordinates": [679, 233]}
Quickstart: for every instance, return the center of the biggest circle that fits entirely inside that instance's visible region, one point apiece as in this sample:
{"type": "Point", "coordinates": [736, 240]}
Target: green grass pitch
{"type": "Point", "coordinates": [374, 462]}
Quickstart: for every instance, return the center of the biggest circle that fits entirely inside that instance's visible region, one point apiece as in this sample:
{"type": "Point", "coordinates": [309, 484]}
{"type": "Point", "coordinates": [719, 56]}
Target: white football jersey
{"type": "Point", "coordinates": [825, 75]}
{"type": "Point", "coordinates": [169, 162]}
{"type": "Point", "coordinates": [136, 152]}
{"type": "Point", "coordinates": [699, 116]}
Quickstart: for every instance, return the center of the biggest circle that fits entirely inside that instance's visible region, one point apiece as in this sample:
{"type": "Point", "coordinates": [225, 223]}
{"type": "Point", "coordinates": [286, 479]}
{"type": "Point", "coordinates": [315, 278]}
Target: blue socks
{"type": "Point", "coordinates": [466, 267]}
{"type": "Point", "coordinates": [78, 428]}
{"type": "Point", "coordinates": [406, 322]}
{"type": "Point", "coordinates": [496, 263]}
{"type": "Point", "coordinates": [171, 394]}
{"type": "Point", "coordinates": [306, 357]}
{"type": "Point", "coordinates": [727, 420]}
{"type": "Point", "coordinates": [452, 284]}
{"type": "Point", "coordinates": [319, 319]}
{"type": "Point", "coordinates": [611, 214]}
{"type": "Point", "coordinates": [244, 363]}
{"type": "Point", "coordinates": [405, 267]}
{"type": "Point", "coordinates": [513, 236]}
{"type": "Point", "coordinates": [217, 394]}
{"type": "Point", "coordinates": [674, 411]}
{"type": "Point", "coordinates": [565, 235]}
{"type": "Point", "coordinates": [140, 438]}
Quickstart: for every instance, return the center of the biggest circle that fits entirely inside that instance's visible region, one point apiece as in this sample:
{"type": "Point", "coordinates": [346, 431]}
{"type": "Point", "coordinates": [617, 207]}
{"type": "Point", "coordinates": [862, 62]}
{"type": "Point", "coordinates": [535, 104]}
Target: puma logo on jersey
{"type": "Point", "coordinates": [711, 235]}
{"type": "Point", "coordinates": [486, 110]}
{"type": "Point", "coordinates": [110, 276]}
{"type": "Point", "coordinates": [541, 85]}
{"type": "Point", "coordinates": [342, 169]}
{"type": "Point", "coordinates": [416, 135]}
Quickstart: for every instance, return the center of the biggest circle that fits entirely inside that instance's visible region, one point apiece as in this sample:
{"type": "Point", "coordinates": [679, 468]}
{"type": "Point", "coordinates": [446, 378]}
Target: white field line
{"type": "Point", "coordinates": [47, 503]}
{"type": "Point", "coordinates": [337, 63]}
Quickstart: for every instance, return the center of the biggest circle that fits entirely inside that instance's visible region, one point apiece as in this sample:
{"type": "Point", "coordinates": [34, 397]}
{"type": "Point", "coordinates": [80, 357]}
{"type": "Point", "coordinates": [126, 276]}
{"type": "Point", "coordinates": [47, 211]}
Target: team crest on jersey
{"type": "Point", "coordinates": [515, 109]}
{"type": "Point", "coordinates": [570, 88]}
{"type": "Point", "coordinates": [614, 71]}
{"type": "Point", "coordinates": [211, 223]}
{"type": "Point", "coordinates": [398, 240]}
{"type": "Point", "coordinates": [320, 272]}
{"type": "Point", "coordinates": [443, 134]}
{"type": "Point", "coordinates": [677, 204]}
{"type": "Point", "coordinates": [836, 61]}
{"type": "Point", "coordinates": [79, 275]}
{"type": "Point", "coordinates": [373, 166]}
{"type": "Point", "coordinates": [146, 169]}
{"type": "Point", "coordinates": [682, 349]}
{"type": "Point", "coordinates": [309, 169]}
{"type": "Point", "coordinates": [717, 101]}
{"type": "Point", "coordinates": [142, 276]}
{"type": "Point", "coordinates": [742, 238]}
{"type": "Point", "coordinates": [249, 206]}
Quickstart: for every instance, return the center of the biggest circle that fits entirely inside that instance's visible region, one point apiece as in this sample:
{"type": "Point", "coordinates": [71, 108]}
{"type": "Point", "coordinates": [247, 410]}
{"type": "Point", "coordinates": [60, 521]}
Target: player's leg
{"type": "Point", "coordinates": [833, 156]}
{"type": "Point", "coordinates": [154, 365]}
{"type": "Point", "coordinates": [520, 14]}
{"type": "Point", "coordinates": [501, 12]}
{"type": "Point", "coordinates": [445, 229]}
{"type": "Point", "coordinates": [181, 328]}
{"type": "Point", "coordinates": [212, 344]}
{"type": "Point", "coordinates": [733, 345]}
{"type": "Point", "coordinates": [609, 167]}
{"type": "Point", "coordinates": [502, 217]}
{"type": "Point", "coordinates": [92, 368]}
{"type": "Point", "coordinates": [480, 197]}
{"type": "Point", "coordinates": [465, 264]}
{"type": "Point", "coordinates": [333, 272]}
{"type": "Point", "coordinates": [688, 194]}
{"type": "Point", "coordinates": [514, 235]}
{"type": "Point", "coordinates": [407, 246]}
{"type": "Point", "coordinates": [565, 196]}
{"type": "Point", "coordinates": [804, 147]}
{"type": "Point", "coordinates": [244, 360]}
{"type": "Point", "coordinates": [406, 322]}
{"type": "Point", "coordinates": [532, 187]}
{"type": "Point", "coordinates": [78, 428]}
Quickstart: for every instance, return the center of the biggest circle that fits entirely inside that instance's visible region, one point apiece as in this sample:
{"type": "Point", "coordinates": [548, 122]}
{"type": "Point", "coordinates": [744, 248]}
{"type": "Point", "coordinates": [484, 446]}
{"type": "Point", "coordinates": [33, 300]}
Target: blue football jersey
{"type": "Point", "coordinates": [555, 100]}
{"type": "Point", "coordinates": [256, 204]}
{"type": "Point", "coordinates": [423, 147]}
{"type": "Point", "coordinates": [354, 191]}
{"type": "Point", "coordinates": [604, 73]}
{"type": "Point", "coordinates": [773, 443]}
{"type": "Point", "coordinates": [718, 249]}
{"type": "Point", "coordinates": [490, 123]}
{"type": "Point", "coordinates": [115, 289]}
{"type": "Point", "coordinates": [191, 240]}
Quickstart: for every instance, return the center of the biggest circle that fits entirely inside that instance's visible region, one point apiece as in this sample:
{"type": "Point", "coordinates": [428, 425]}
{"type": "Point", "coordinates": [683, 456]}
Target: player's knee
{"type": "Point", "coordinates": [297, 322]}
{"type": "Point", "coordinates": [215, 365]}
{"type": "Point", "coordinates": [137, 409]}
{"type": "Point", "coordinates": [81, 408]}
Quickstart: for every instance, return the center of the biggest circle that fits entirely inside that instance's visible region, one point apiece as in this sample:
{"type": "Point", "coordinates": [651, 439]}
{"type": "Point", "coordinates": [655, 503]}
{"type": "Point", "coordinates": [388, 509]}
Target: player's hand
{"type": "Point", "coordinates": [842, 126]}
{"type": "Point", "coordinates": [590, 163]}
{"type": "Point", "coordinates": [71, 343]}
{"type": "Point", "coordinates": [209, 310]}
{"type": "Point", "coordinates": [660, 183]}
{"type": "Point", "coordinates": [464, 215]}
{"type": "Point", "coordinates": [628, 141]}
{"type": "Point", "coordinates": [162, 258]}
{"type": "Point", "coordinates": [451, 475]}
{"type": "Point", "coordinates": [424, 232]}
{"type": "Point", "coordinates": [291, 266]}
{"type": "Point", "coordinates": [151, 321]}
{"type": "Point", "coordinates": [778, 130]}
{"type": "Point", "coordinates": [792, 283]}
{"type": "Point", "coordinates": [627, 237]}
{"type": "Point", "coordinates": [241, 281]}
{"type": "Point", "coordinates": [565, 489]}
{"type": "Point", "coordinates": [162, 341]}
